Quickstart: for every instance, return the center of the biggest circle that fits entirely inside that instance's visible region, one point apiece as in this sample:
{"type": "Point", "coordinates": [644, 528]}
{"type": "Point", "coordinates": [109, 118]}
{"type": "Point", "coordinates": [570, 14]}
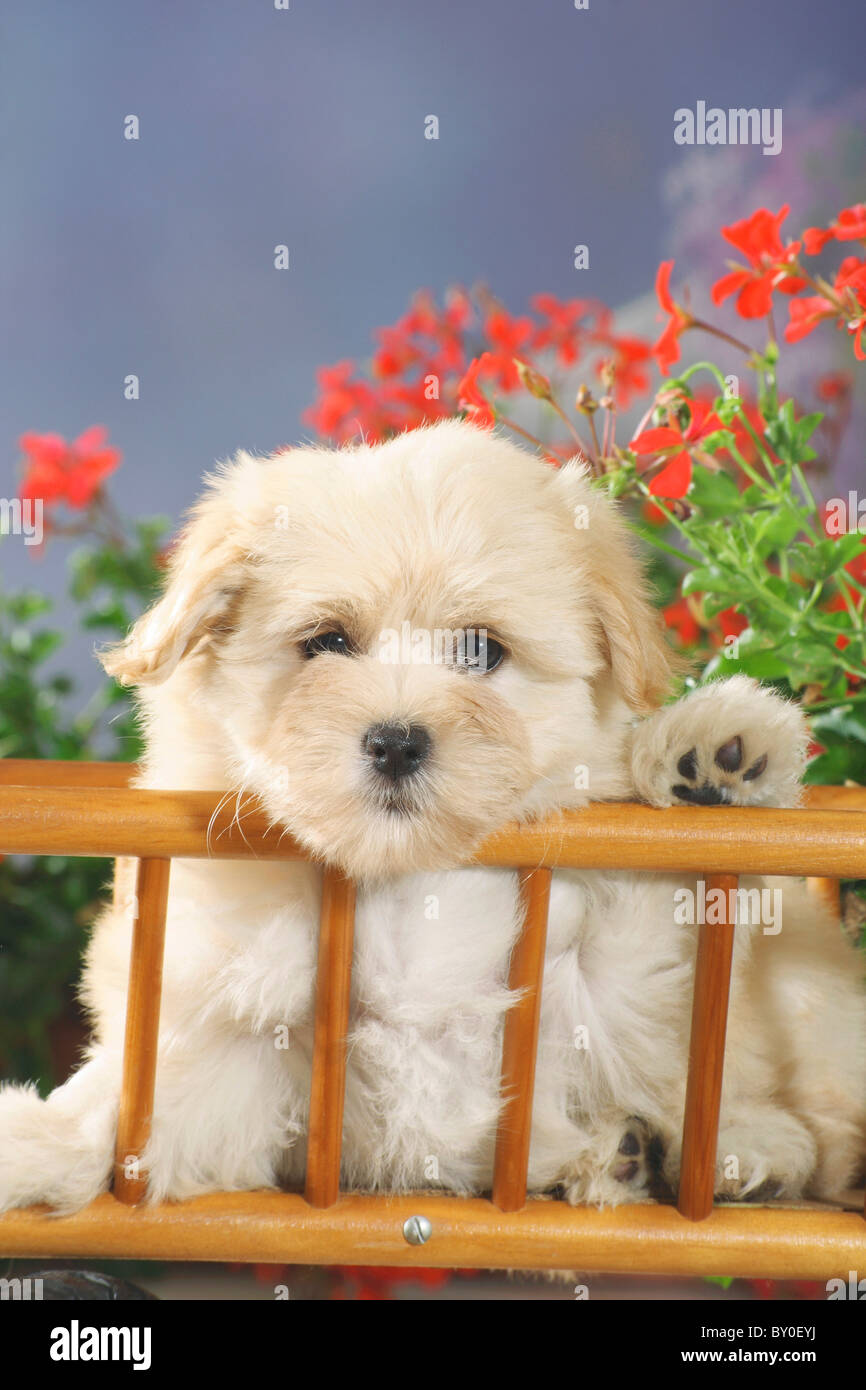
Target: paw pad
{"type": "Point", "coordinates": [633, 1147]}
{"type": "Point", "coordinates": [711, 791]}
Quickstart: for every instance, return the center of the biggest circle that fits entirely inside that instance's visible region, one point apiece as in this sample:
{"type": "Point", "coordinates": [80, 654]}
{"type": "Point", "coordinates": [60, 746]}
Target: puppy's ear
{"type": "Point", "coordinates": [631, 629]}
{"type": "Point", "coordinates": [205, 575]}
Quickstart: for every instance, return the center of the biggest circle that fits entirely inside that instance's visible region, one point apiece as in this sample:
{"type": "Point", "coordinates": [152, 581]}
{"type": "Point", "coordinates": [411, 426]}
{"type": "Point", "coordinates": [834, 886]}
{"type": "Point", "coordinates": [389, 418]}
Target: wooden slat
{"type": "Point", "coordinates": [281, 1228]}
{"type": "Point", "coordinates": [835, 798]}
{"type": "Point", "coordinates": [520, 1044]}
{"type": "Point", "coordinates": [328, 1081]}
{"type": "Point", "coordinates": [42, 772]}
{"type": "Point", "coordinates": [718, 839]}
{"type": "Point", "coordinates": [706, 1058]}
{"type": "Point", "coordinates": [142, 1030]}
{"type": "Point", "coordinates": [48, 772]}
{"type": "Point", "coordinates": [828, 890]}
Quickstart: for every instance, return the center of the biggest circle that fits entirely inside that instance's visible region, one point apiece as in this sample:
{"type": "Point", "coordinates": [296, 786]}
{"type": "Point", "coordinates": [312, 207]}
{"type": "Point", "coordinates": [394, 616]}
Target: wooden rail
{"type": "Point", "coordinates": [282, 1228]}
{"type": "Point", "coordinates": [142, 1029]}
{"type": "Point", "coordinates": [520, 1044]}
{"type": "Point", "coordinates": [706, 1058]}
{"type": "Point", "coordinates": [173, 824]}
{"type": "Point", "coordinates": [328, 1078]}
{"type": "Point", "coordinates": [90, 809]}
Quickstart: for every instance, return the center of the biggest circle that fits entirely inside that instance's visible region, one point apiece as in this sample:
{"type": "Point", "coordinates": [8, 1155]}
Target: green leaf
{"type": "Point", "coordinates": [840, 726]}
{"type": "Point", "coordinates": [844, 762]}
{"type": "Point", "coordinates": [111, 615]}
{"type": "Point", "coordinates": [716, 494]}
{"type": "Point", "coordinates": [713, 579]}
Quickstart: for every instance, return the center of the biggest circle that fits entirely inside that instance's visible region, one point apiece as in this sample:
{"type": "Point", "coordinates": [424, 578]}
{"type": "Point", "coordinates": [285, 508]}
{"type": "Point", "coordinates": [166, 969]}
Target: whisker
{"type": "Point", "coordinates": [212, 820]}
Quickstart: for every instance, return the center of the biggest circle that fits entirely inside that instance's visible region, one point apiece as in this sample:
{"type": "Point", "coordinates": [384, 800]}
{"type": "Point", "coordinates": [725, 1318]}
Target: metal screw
{"type": "Point", "coordinates": [417, 1230]}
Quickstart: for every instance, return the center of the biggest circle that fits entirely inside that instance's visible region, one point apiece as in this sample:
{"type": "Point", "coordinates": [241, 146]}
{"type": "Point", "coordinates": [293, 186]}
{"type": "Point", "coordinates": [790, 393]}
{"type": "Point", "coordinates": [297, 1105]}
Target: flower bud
{"type": "Point", "coordinates": [536, 384]}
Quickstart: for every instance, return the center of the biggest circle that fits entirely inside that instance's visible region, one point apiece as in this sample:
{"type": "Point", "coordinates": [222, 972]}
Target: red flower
{"type": "Point", "coordinates": [508, 337]}
{"type": "Point", "coordinates": [849, 309]}
{"type": "Point", "coordinates": [850, 225]}
{"type": "Point", "coordinates": [342, 402]}
{"type": "Point", "coordinates": [731, 622]}
{"type": "Point", "coordinates": [629, 375]}
{"type": "Point", "coordinates": [666, 350]}
{"type": "Point", "coordinates": [770, 264]}
{"type": "Point", "coordinates": [653, 514]}
{"type": "Point", "coordinates": [395, 353]}
{"type": "Point", "coordinates": [437, 333]}
{"type": "Point", "coordinates": [851, 285]}
{"type": "Point", "coordinates": [680, 617]}
{"type": "Point", "coordinates": [378, 1283]}
{"type": "Point", "coordinates": [70, 473]}
{"type": "Point", "coordinates": [805, 314]}
{"type": "Point", "coordinates": [671, 439]}
{"type": "Point", "coordinates": [834, 386]}
{"type": "Point", "coordinates": [471, 398]}
{"type": "Point", "coordinates": [764, 1288]}
{"type": "Point", "coordinates": [562, 329]}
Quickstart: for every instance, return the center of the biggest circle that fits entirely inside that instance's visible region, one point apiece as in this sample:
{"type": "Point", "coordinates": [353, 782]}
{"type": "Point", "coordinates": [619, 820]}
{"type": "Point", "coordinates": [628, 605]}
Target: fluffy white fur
{"type": "Point", "coordinates": [448, 527]}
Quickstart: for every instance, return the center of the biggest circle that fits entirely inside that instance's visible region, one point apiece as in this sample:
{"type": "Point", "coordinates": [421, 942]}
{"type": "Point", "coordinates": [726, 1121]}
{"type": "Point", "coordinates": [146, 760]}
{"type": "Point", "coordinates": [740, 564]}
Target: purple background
{"type": "Point", "coordinates": [306, 127]}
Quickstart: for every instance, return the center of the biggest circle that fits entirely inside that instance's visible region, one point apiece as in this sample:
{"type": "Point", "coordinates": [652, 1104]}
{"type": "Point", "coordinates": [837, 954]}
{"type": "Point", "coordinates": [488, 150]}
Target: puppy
{"type": "Point", "coordinates": [311, 648]}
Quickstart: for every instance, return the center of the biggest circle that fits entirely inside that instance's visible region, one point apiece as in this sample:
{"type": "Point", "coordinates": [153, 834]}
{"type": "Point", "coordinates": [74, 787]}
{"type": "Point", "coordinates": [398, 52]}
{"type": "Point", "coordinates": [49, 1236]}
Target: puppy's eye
{"type": "Point", "coordinates": [336, 642]}
{"type": "Point", "coordinates": [480, 653]}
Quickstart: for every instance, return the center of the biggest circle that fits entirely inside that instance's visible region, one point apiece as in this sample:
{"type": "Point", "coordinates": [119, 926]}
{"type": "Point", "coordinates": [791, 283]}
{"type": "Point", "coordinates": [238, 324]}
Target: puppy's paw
{"type": "Point", "coordinates": [766, 1157]}
{"type": "Point", "coordinates": [729, 743]}
{"type": "Point", "coordinates": [615, 1166]}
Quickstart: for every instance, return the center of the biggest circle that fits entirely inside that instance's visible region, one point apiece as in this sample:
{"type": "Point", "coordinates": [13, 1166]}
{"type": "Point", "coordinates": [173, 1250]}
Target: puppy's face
{"type": "Point", "coordinates": [401, 646]}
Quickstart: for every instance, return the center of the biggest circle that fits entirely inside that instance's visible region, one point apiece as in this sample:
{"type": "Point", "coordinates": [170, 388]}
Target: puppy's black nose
{"type": "Point", "coordinates": [397, 749]}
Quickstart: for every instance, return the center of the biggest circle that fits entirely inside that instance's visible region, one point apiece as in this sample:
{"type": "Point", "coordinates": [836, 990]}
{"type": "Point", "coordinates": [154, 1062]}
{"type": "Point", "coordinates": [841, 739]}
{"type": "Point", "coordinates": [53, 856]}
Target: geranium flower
{"type": "Point", "coordinates": [347, 408]}
{"type": "Point", "coordinates": [850, 225]}
{"type": "Point", "coordinates": [851, 284]}
{"type": "Point", "coordinates": [629, 375]}
{"type": "Point", "coordinates": [666, 350]}
{"type": "Point", "coordinates": [757, 237]}
{"type": "Point", "coordinates": [681, 619]}
{"type": "Point", "coordinates": [731, 622]}
{"type": "Point", "coordinates": [471, 398]}
{"type": "Point", "coordinates": [70, 473]}
{"type": "Point", "coordinates": [805, 314]}
{"type": "Point", "coordinates": [426, 334]}
{"type": "Point", "coordinates": [342, 402]}
{"type": "Point", "coordinates": [849, 309]}
{"type": "Point", "coordinates": [834, 386]}
{"type": "Point", "coordinates": [675, 478]}
{"type": "Point", "coordinates": [562, 328]}
{"type": "Point", "coordinates": [508, 337]}
{"type": "Point", "coordinates": [395, 353]}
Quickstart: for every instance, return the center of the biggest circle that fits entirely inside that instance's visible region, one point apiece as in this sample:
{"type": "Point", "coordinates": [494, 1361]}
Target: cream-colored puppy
{"type": "Point", "coordinates": [317, 644]}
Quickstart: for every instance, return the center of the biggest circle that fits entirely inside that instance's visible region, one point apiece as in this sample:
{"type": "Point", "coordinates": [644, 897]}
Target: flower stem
{"type": "Point", "coordinates": [720, 333]}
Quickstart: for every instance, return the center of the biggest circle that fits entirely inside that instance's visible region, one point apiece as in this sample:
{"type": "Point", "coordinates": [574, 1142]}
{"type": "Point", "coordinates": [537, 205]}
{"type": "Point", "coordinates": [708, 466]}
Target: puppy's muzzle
{"type": "Point", "coordinates": [396, 750]}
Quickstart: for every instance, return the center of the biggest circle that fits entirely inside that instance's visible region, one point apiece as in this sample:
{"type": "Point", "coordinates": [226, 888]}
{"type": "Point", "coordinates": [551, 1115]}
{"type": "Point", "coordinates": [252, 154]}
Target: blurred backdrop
{"type": "Point", "coordinates": [305, 127]}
